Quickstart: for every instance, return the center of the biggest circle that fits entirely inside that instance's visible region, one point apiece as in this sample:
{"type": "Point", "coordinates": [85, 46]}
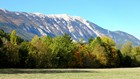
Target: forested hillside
{"type": "Point", "coordinates": [62, 52]}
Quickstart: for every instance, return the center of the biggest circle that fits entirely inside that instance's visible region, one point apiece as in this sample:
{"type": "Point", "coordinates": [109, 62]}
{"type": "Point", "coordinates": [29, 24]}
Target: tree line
{"type": "Point", "coordinates": [62, 52]}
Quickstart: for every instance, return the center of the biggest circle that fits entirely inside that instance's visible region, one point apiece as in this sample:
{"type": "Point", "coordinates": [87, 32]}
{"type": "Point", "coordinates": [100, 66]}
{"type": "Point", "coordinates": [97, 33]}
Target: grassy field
{"type": "Point", "coordinates": [120, 73]}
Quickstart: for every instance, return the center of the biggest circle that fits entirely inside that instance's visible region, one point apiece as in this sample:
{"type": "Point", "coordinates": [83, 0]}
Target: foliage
{"type": "Point", "coordinates": [62, 52]}
{"type": "Point", "coordinates": [13, 37]}
{"type": "Point", "coordinates": [9, 55]}
{"type": "Point", "coordinates": [126, 50]}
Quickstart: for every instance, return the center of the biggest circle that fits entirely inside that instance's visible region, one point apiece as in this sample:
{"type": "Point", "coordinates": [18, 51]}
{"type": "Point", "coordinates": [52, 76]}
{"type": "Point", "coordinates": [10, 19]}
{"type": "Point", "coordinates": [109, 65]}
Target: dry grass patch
{"type": "Point", "coordinates": [117, 73]}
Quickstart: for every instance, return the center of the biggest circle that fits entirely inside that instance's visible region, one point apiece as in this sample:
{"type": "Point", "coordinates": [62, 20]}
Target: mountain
{"type": "Point", "coordinates": [29, 24]}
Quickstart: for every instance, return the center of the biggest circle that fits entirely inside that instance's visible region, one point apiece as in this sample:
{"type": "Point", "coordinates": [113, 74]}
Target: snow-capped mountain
{"type": "Point", "coordinates": [29, 24]}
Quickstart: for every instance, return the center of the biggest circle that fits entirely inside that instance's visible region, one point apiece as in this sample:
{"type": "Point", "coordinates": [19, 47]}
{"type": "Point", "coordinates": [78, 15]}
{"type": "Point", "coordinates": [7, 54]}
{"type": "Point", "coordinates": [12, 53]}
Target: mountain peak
{"type": "Point", "coordinates": [66, 17]}
{"type": "Point", "coordinates": [4, 10]}
{"type": "Point", "coordinates": [61, 16]}
{"type": "Point", "coordinates": [58, 15]}
{"type": "Point", "coordinates": [39, 14]}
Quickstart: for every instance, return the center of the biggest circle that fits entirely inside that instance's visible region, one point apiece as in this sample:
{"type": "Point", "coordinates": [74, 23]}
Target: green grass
{"type": "Point", "coordinates": [117, 73]}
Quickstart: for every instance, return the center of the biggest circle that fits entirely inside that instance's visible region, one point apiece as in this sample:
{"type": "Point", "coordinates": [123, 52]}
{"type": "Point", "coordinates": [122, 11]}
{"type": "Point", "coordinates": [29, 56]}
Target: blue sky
{"type": "Point", "coordinates": [114, 15]}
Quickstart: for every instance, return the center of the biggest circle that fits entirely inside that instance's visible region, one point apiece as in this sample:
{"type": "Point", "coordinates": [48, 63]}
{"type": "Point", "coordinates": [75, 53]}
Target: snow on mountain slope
{"type": "Point", "coordinates": [30, 24]}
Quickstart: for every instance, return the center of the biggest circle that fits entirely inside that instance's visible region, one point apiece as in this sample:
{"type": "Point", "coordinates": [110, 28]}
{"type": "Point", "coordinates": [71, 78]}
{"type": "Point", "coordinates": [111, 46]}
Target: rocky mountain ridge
{"type": "Point", "coordinates": [29, 24]}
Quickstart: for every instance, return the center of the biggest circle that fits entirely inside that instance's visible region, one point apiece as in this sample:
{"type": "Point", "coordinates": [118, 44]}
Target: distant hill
{"type": "Point", "coordinates": [29, 24]}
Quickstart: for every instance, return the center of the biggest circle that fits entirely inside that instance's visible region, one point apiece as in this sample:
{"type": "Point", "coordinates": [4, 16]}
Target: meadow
{"type": "Point", "coordinates": [114, 73]}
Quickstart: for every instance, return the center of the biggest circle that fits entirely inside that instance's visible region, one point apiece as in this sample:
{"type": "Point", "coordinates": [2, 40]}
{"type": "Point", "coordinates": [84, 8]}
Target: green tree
{"type": "Point", "coordinates": [1, 43]}
{"type": "Point", "coordinates": [126, 50]}
{"type": "Point", "coordinates": [97, 40]}
{"type": "Point", "coordinates": [23, 53]}
{"type": "Point", "coordinates": [13, 37]}
{"type": "Point", "coordinates": [31, 58]}
{"type": "Point", "coordinates": [98, 53]}
{"type": "Point", "coordinates": [135, 56]}
{"type": "Point", "coordinates": [44, 55]}
{"type": "Point", "coordinates": [113, 55]}
{"type": "Point", "coordinates": [62, 47]}
{"type": "Point", "coordinates": [10, 55]}
{"type": "Point", "coordinates": [35, 40]}
{"type": "Point", "coordinates": [90, 39]}
{"type": "Point", "coordinates": [46, 39]}
{"type": "Point", "coordinates": [40, 52]}
{"type": "Point", "coordinates": [104, 52]}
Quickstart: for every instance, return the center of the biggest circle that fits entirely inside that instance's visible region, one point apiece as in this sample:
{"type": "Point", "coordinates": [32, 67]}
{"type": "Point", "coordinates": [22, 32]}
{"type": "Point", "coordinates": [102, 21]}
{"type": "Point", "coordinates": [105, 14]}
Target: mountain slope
{"type": "Point", "coordinates": [29, 24]}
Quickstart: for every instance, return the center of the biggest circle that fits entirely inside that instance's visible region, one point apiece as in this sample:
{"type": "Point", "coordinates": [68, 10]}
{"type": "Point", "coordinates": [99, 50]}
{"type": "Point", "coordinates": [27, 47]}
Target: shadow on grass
{"type": "Point", "coordinates": [43, 71]}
